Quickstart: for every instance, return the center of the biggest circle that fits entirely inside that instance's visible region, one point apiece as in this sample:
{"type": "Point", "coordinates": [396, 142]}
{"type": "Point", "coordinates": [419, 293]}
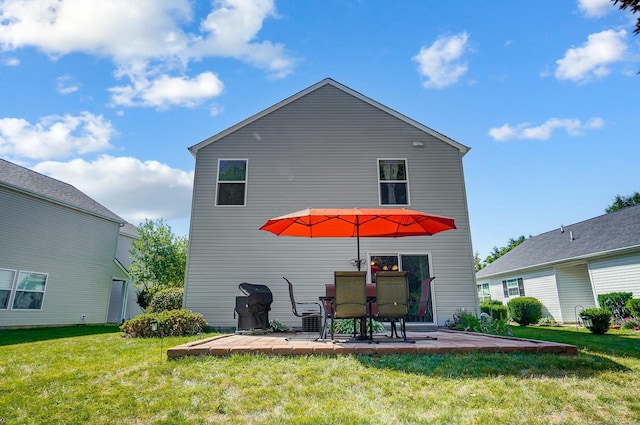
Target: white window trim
{"type": "Point", "coordinates": [11, 288]}
{"type": "Point", "coordinates": [16, 290]}
{"type": "Point", "coordinates": [407, 253]}
{"type": "Point", "coordinates": [406, 169]}
{"type": "Point", "coordinates": [245, 181]}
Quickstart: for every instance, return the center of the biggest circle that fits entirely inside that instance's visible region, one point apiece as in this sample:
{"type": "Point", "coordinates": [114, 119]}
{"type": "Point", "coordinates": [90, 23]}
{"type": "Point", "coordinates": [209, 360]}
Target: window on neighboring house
{"type": "Point", "coordinates": [483, 291]}
{"type": "Point", "coordinates": [6, 285]}
{"type": "Point", "coordinates": [513, 287]}
{"type": "Point", "coordinates": [29, 292]}
{"type": "Point", "coordinates": [232, 182]}
{"type": "Point", "coordinates": [393, 181]}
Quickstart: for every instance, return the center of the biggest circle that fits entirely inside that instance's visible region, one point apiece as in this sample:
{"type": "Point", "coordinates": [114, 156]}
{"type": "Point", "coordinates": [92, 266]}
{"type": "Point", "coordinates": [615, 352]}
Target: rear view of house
{"type": "Point", "coordinates": [57, 252]}
{"type": "Point", "coordinates": [568, 267]}
{"type": "Point", "coordinates": [327, 146]}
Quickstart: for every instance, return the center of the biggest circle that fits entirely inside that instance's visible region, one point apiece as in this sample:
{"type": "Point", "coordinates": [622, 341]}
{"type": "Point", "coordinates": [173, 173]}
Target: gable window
{"type": "Point", "coordinates": [393, 182]}
{"type": "Point", "coordinates": [483, 292]}
{"type": "Point", "coordinates": [232, 182]}
{"type": "Point", "coordinates": [513, 287]}
{"type": "Point", "coordinates": [6, 285]}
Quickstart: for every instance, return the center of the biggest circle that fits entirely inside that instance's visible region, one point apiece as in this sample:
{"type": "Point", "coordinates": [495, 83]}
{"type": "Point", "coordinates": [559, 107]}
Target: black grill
{"type": "Point", "coordinates": [253, 303]}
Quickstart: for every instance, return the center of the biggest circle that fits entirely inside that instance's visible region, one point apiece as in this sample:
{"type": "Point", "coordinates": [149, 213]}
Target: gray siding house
{"type": "Point", "coordinates": [568, 267]}
{"type": "Point", "coordinates": [327, 146]}
{"type": "Point", "coordinates": [57, 252]}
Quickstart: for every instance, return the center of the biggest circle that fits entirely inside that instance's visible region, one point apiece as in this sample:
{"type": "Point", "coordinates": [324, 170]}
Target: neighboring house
{"type": "Point", "coordinates": [123, 304]}
{"type": "Point", "coordinates": [568, 267]}
{"type": "Point", "coordinates": [326, 146]}
{"type": "Point", "coordinates": [57, 252]}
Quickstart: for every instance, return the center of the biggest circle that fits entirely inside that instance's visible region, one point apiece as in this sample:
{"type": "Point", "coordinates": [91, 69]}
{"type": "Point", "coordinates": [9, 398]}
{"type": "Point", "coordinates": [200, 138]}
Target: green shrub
{"type": "Point", "coordinates": [615, 302]}
{"type": "Point", "coordinates": [633, 306]}
{"type": "Point", "coordinates": [548, 321]}
{"type": "Point", "coordinates": [144, 297]}
{"type": "Point", "coordinates": [600, 319]}
{"type": "Point", "coordinates": [525, 310]}
{"type": "Point", "coordinates": [630, 323]}
{"type": "Point", "coordinates": [345, 326]}
{"type": "Point", "coordinates": [166, 299]}
{"type": "Point", "coordinates": [276, 326]}
{"type": "Point", "coordinates": [463, 321]}
{"type": "Point", "coordinates": [169, 323]}
{"type": "Point", "coordinates": [494, 308]}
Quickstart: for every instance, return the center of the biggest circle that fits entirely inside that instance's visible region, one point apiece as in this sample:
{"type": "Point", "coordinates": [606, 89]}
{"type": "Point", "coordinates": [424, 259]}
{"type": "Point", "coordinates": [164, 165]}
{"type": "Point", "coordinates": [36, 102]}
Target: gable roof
{"type": "Point", "coordinates": [35, 184]}
{"type": "Point", "coordinates": [602, 235]}
{"type": "Point", "coordinates": [328, 81]}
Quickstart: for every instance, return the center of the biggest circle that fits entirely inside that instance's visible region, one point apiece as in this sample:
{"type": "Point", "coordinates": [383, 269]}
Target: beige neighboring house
{"type": "Point", "coordinates": [327, 146]}
{"type": "Point", "coordinates": [59, 253]}
{"type": "Point", "coordinates": [568, 267]}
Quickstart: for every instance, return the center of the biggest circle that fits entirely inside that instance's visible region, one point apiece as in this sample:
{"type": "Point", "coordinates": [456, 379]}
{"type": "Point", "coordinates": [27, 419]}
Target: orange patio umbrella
{"type": "Point", "coordinates": [358, 223]}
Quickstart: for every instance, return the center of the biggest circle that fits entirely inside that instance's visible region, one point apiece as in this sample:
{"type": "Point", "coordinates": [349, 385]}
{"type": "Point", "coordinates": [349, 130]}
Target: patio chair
{"type": "Point", "coordinates": [392, 299]}
{"type": "Point", "coordinates": [425, 299]}
{"type": "Point", "coordinates": [350, 300]}
{"type": "Point", "coordinates": [307, 309]}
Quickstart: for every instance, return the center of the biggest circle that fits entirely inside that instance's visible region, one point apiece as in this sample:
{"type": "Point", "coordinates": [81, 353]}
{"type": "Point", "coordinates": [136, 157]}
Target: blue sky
{"type": "Point", "coordinates": [108, 95]}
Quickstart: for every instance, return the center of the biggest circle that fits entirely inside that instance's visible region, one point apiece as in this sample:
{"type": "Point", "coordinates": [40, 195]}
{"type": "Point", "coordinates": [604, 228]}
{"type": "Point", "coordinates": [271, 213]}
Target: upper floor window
{"type": "Point", "coordinates": [232, 182]}
{"type": "Point", "coordinates": [393, 182]}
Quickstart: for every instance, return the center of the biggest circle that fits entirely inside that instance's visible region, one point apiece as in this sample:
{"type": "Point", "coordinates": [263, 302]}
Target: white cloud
{"type": "Point", "coordinates": [588, 62]}
{"type": "Point", "coordinates": [66, 85]}
{"type": "Point", "coordinates": [147, 38]}
{"type": "Point", "coordinates": [11, 62]}
{"type": "Point", "coordinates": [165, 91]}
{"type": "Point", "coordinates": [131, 188]}
{"type": "Point", "coordinates": [525, 131]}
{"type": "Point", "coordinates": [595, 8]}
{"type": "Point", "coordinates": [55, 136]}
{"type": "Point", "coordinates": [441, 64]}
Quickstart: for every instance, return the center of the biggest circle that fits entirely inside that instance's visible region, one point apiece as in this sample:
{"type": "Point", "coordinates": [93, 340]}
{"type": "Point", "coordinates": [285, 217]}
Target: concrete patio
{"type": "Point", "coordinates": [292, 344]}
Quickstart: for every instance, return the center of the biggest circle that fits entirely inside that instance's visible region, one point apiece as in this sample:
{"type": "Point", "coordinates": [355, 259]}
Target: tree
{"type": "Point", "coordinates": [477, 262]}
{"type": "Point", "coordinates": [158, 260]}
{"type": "Point", "coordinates": [499, 252]}
{"type": "Point", "coordinates": [620, 202]}
{"type": "Point", "coordinates": [633, 5]}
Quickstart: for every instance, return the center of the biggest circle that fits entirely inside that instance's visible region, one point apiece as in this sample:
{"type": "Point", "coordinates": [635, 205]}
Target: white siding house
{"type": "Point", "coordinates": [567, 268]}
{"type": "Point", "coordinates": [327, 146]}
{"type": "Point", "coordinates": [57, 252]}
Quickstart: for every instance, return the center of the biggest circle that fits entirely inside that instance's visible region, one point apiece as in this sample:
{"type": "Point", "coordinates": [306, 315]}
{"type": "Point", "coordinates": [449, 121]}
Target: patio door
{"type": "Point", "coordinates": [418, 268]}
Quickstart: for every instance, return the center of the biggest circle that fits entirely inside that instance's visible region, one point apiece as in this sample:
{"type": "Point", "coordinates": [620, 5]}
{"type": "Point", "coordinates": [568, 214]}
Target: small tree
{"type": "Point", "coordinates": [158, 260]}
{"type": "Point", "coordinates": [620, 202]}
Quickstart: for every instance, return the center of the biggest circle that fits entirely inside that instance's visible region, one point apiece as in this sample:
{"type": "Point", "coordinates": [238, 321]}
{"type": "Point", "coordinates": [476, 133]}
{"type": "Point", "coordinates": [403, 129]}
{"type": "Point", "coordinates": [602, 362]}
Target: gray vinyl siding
{"type": "Point", "coordinates": [75, 249]}
{"type": "Point", "coordinates": [574, 289]}
{"type": "Point", "coordinates": [539, 284]}
{"type": "Point", "coordinates": [616, 274]}
{"type": "Point", "coordinates": [320, 151]}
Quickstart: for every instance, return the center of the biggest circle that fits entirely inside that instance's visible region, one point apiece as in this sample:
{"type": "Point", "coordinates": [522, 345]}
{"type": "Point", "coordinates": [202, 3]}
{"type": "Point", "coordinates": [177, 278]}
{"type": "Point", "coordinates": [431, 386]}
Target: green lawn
{"type": "Point", "coordinates": [91, 375]}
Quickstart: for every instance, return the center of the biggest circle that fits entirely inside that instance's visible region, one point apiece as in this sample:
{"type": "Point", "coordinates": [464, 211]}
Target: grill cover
{"type": "Point", "coordinates": [253, 302]}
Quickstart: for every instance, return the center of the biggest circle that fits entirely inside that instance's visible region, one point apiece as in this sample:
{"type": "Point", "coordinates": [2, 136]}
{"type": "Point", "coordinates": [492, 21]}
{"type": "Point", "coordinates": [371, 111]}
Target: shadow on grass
{"type": "Point", "coordinates": [615, 342]}
{"type": "Point", "coordinates": [481, 365]}
{"type": "Point", "coordinates": [21, 336]}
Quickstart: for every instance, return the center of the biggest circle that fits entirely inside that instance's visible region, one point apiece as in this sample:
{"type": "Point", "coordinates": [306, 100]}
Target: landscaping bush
{"type": "Point", "coordinates": [494, 308]}
{"type": "Point", "coordinates": [525, 310]}
{"type": "Point", "coordinates": [166, 299]}
{"type": "Point", "coordinates": [463, 321]}
{"type": "Point", "coordinates": [630, 323]}
{"type": "Point", "coordinates": [633, 307]}
{"type": "Point", "coordinates": [615, 302]}
{"type": "Point", "coordinates": [169, 323]}
{"type": "Point", "coordinates": [600, 319]}
{"type": "Point", "coordinates": [345, 326]}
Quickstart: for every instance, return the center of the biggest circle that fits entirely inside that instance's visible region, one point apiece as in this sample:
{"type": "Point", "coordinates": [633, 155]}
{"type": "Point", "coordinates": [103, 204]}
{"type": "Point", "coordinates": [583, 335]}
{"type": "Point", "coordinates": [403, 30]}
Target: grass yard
{"type": "Point", "coordinates": [91, 375]}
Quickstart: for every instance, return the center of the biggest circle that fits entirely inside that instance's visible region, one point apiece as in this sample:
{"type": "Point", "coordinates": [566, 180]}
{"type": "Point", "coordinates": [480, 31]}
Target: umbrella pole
{"type": "Point", "coordinates": [358, 242]}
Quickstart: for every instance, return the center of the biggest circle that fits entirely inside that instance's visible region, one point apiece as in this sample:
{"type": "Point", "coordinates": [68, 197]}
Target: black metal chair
{"type": "Point", "coordinates": [306, 310]}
